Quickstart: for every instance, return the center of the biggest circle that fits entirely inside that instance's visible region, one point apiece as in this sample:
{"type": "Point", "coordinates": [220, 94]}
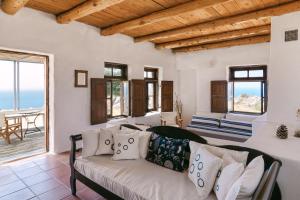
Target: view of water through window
{"type": "Point", "coordinates": [247, 97]}
{"type": "Point", "coordinates": [21, 87]}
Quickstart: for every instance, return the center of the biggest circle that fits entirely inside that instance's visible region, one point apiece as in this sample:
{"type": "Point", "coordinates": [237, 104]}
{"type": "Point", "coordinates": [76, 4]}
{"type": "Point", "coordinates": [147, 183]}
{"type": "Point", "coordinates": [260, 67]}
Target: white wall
{"type": "Point", "coordinates": [284, 74]}
{"type": "Point", "coordinates": [199, 68]}
{"type": "Point", "coordinates": [76, 46]}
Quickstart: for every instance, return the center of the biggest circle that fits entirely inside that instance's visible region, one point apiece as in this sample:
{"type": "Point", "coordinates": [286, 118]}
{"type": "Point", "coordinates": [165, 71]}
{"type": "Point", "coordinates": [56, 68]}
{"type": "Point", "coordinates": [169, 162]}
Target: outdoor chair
{"type": "Point", "coordinates": [6, 129]}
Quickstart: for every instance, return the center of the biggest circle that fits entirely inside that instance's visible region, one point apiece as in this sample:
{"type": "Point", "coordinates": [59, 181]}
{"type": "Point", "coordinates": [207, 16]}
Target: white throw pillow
{"type": "Point", "coordinates": [125, 130]}
{"type": "Point", "coordinates": [203, 171]}
{"type": "Point", "coordinates": [106, 142]}
{"type": "Point", "coordinates": [144, 137]}
{"type": "Point", "coordinates": [113, 129]}
{"type": "Point", "coordinates": [227, 176]}
{"type": "Point", "coordinates": [126, 146]}
{"type": "Point", "coordinates": [238, 156]}
{"type": "Point", "coordinates": [227, 160]}
{"type": "Point", "coordinates": [90, 140]}
{"type": "Point", "coordinates": [246, 185]}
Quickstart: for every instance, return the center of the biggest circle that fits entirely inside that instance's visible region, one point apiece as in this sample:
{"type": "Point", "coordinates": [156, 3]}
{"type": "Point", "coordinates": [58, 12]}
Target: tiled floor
{"type": "Point", "coordinates": [44, 177]}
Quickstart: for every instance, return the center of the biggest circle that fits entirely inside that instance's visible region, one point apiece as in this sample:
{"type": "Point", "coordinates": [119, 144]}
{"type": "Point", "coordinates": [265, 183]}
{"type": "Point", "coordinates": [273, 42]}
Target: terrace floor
{"type": "Point", "coordinates": [44, 177]}
{"type": "Point", "coordinates": [32, 144]}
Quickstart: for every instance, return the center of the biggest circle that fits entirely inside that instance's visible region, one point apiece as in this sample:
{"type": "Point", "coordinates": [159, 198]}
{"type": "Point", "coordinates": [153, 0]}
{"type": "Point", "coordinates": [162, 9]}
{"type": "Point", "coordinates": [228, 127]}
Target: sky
{"type": "Point", "coordinates": [31, 76]}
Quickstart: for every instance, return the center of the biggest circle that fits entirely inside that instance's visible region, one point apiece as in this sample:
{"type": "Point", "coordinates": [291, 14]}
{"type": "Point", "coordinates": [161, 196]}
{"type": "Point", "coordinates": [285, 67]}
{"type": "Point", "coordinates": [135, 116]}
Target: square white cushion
{"type": "Point", "coordinates": [227, 176]}
{"type": "Point", "coordinates": [90, 140]}
{"type": "Point", "coordinates": [125, 130]}
{"type": "Point", "coordinates": [106, 142]}
{"type": "Point", "coordinates": [246, 185]}
{"type": "Point", "coordinates": [144, 138]}
{"type": "Point", "coordinates": [238, 156]}
{"type": "Point", "coordinates": [203, 171]}
{"type": "Point", "coordinates": [126, 146]}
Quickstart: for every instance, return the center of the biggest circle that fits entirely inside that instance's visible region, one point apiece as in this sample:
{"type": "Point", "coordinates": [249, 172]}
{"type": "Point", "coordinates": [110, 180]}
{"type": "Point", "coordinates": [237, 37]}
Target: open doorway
{"type": "Point", "coordinates": [23, 105]}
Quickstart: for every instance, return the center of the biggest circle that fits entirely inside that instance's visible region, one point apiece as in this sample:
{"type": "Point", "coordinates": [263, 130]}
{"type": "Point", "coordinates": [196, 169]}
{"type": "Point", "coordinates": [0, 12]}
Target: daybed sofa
{"type": "Point", "coordinates": [140, 179]}
{"type": "Point", "coordinates": [235, 127]}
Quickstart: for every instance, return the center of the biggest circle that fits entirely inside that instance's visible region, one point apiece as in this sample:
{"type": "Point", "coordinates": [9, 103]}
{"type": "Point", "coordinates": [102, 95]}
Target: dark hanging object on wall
{"type": "Point", "coordinates": [291, 35]}
{"type": "Point", "coordinates": [282, 132]}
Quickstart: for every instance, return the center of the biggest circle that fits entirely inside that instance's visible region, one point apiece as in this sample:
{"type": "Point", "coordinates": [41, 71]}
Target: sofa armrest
{"type": "Point", "coordinates": [267, 187]}
{"type": "Point", "coordinates": [74, 139]}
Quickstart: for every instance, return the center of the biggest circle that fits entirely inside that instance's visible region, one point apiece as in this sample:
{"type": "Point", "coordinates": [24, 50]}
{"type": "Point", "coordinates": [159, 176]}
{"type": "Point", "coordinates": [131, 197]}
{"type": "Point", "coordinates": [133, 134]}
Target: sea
{"type": "Point", "coordinates": [28, 99]}
{"type": "Point", "coordinates": [249, 91]}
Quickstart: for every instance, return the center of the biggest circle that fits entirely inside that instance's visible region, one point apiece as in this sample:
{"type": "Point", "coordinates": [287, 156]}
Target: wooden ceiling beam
{"type": "Point", "coordinates": [230, 43]}
{"type": "Point", "coordinates": [272, 11]}
{"type": "Point", "coordinates": [86, 8]}
{"type": "Point", "coordinates": [257, 30]}
{"type": "Point", "coordinates": [160, 16]}
{"type": "Point", "coordinates": [11, 7]}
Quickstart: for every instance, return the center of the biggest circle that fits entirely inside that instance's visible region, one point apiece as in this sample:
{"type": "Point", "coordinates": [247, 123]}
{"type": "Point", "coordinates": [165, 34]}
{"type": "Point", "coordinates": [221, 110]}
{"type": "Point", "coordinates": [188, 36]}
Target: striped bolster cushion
{"type": "Point", "coordinates": [236, 125]}
{"type": "Point", "coordinates": [205, 121]}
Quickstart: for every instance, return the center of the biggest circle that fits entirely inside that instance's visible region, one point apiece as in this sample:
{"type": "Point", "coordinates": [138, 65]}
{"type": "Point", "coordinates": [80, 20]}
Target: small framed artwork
{"type": "Point", "coordinates": [81, 78]}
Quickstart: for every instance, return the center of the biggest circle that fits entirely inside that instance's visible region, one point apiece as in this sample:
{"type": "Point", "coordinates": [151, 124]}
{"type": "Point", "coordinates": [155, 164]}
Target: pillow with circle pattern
{"type": "Point", "coordinates": [106, 143]}
{"type": "Point", "coordinates": [203, 171]}
{"type": "Point", "coordinates": [126, 146]}
{"type": "Point", "coordinates": [168, 152]}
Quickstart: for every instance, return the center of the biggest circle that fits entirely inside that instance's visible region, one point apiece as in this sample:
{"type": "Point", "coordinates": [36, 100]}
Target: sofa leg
{"type": "Point", "coordinates": [73, 185]}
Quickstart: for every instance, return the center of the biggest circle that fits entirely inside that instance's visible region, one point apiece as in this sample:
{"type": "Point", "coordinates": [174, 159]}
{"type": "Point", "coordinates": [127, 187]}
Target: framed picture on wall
{"type": "Point", "coordinates": [81, 78]}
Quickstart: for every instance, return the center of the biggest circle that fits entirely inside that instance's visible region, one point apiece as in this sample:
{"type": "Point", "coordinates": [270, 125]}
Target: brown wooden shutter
{"type": "Point", "coordinates": [219, 97]}
{"type": "Point", "coordinates": [98, 101]}
{"type": "Point", "coordinates": [137, 90]}
{"type": "Point", "coordinates": [167, 96]}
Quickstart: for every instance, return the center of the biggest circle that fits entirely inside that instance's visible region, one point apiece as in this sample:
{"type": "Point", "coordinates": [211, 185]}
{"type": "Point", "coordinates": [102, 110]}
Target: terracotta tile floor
{"type": "Point", "coordinates": [44, 177]}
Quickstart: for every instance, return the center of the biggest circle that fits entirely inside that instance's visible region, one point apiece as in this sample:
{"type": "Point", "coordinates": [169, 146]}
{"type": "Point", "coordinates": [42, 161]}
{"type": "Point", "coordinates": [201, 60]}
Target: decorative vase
{"type": "Point", "coordinates": [282, 132]}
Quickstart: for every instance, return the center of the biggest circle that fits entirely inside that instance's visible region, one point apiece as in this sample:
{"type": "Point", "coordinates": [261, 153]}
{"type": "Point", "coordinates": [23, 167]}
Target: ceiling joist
{"type": "Point", "coordinates": [160, 16]}
{"type": "Point", "coordinates": [273, 11]}
{"type": "Point", "coordinates": [86, 8]}
{"type": "Point", "coordinates": [11, 7]}
{"type": "Point", "coordinates": [230, 43]}
{"type": "Point", "coordinates": [257, 30]}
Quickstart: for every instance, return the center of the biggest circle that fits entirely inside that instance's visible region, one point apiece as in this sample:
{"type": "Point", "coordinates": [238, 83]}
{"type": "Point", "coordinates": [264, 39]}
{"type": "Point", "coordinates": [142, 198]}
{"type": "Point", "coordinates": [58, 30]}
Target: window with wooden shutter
{"type": "Point", "coordinates": [219, 97]}
{"type": "Point", "coordinates": [137, 89]}
{"type": "Point", "coordinates": [151, 81]}
{"type": "Point", "coordinates": [249, 89]}
{"type": "Point", "coordinates": [167, 96]}
{"type": "Point", "coordinates": [98, 101]}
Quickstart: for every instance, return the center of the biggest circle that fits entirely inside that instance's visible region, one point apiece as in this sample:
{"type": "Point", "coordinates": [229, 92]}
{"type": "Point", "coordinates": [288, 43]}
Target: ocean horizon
{"type": "Point", "coordinates": [28, 99]}
{"type": "Point", "coordinates": [249, 91]}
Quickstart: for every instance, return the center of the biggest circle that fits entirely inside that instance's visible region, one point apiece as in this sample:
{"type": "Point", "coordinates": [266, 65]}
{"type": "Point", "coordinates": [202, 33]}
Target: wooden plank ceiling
{"type": "Point", "coordinates": [180, 25]}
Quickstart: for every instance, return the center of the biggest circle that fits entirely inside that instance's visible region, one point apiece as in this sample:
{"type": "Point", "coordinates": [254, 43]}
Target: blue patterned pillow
{"type": "Point", "coordinates": [168, 152]}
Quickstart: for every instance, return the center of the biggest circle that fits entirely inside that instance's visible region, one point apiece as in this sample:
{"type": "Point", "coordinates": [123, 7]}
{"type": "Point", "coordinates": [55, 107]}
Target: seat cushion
{"type": "Point", "coordinates": [203, 120]}
{"type": "Point", "coordinates": [240, 127]}
{"type": "Point", "coordinates": [138, 179]}
{"type": "Point", "coordinates": [240, 117]}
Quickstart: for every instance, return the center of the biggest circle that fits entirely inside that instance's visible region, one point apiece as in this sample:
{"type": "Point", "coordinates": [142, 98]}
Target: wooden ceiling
{"type": "Point", "coordinates": [180, 25]}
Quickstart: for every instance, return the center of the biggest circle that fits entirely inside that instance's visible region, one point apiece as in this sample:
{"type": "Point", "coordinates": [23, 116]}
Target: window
{"type": "Point", "coordinates": [248, 89]}
{"type": "Point", "coordinates": [151, 79]}
{"type": "Point", "coordinates": [117, 89]}
{"type": "Point", "coordinates": [21, 85]}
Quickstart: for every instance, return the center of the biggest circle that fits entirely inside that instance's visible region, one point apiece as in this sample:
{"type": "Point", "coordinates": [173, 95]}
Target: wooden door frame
{"type": "Point", "coordinates": [46, 93]}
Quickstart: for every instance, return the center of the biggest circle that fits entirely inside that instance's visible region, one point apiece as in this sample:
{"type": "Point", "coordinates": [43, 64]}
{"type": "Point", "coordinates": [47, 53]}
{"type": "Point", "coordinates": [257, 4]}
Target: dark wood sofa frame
{"type": "Point", "coordinates": [267, 189]}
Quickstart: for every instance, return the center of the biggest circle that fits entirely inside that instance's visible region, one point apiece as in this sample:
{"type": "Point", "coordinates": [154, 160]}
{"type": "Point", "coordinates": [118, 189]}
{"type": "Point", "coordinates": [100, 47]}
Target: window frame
{"type": "Point", "coordinates": [232, 70]}
{"type": "Point", "coordinates": [154, 81]}
{"type": "Point", "coordinates": [111, 79]}
{"type": "Point", "coordinates": [112, 66]}
{"type": "Point", "coordinates": [16, 87]}
{"type": "Point", "coordinates": [263, 81]}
